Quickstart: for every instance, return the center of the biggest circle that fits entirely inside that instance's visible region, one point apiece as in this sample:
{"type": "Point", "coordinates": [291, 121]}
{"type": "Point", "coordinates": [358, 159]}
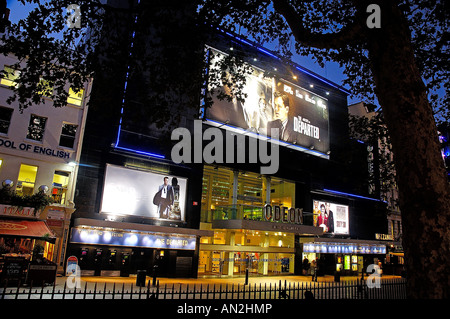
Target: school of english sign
{"type": "Point", "coordinates": [37, 149]}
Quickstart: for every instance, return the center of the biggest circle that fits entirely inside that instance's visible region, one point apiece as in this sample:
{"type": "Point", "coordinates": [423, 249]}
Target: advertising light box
{"type": "Point", "coordinates": [271, 102]}
{"type": "Point", "coordinates": [145, 194]}
{"type": "Point", "coordinates": [333, 218]}
{"type": "Point", "coordinates": [131, 239]}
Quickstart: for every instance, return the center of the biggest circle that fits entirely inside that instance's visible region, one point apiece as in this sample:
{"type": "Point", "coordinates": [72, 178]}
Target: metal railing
{"type": "Point", "coordinates": [357, 289]}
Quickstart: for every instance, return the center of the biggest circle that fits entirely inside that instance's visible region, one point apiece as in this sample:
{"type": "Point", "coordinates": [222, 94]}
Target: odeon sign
{"type": "Point", "coordinates": [283, 214]}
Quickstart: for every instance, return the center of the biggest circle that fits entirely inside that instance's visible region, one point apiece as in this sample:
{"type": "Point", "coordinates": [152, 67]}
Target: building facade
{"type": "Point", "coordinates": [40, 146]}
{"type": "Point", "coordinates": [383, 186]}
{"type": "Point", "coordinates": [220, 193]}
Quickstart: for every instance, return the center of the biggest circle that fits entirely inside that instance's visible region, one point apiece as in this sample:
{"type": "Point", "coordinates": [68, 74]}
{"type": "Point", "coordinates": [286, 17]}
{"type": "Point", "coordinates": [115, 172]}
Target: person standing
{"type": "Point", "coordinates": [164, 199]}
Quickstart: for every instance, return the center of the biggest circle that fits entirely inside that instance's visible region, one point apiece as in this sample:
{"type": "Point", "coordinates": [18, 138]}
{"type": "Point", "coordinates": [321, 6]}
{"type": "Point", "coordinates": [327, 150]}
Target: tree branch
{"type": "Point", "coordinates": [352, 32]}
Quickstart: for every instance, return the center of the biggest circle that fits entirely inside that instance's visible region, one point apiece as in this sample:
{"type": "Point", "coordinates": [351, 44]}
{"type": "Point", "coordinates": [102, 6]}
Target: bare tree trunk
{"type": "Point", "coordinates": [422, 179]}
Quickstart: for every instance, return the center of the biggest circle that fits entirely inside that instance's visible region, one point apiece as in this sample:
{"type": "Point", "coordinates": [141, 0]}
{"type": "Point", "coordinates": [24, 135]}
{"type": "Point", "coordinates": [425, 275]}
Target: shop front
{"type": "Point", "coordinates": [255, 223]}
{"type": "Point", "coordinates": [233, 252]}
{"type": "Point", "coordinates": [348, 257]}
{"type": "Point", "coordinates": [261, 248]}
{"type": "Point", "coordinates": [24, 244]}
{"type": "Point", "coordinates": [109, 248]}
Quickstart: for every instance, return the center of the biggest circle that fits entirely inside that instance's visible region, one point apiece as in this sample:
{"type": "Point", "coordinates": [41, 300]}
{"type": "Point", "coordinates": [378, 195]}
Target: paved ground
{"type": "Point", "coordinates": [119, 281]}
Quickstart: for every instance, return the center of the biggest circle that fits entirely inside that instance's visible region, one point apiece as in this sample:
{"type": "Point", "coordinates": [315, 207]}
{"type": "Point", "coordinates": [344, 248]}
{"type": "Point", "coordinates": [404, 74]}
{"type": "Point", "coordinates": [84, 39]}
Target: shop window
{"type": "Point", "coordinates": [59, 186]}
{"type": "Point", "coordinates": [250, 197]}
{"type": "Point", "coordinates": [48, 250]}
{"type": "Point", "coordinates": [68, 132]}
{"type": "Point", "coordinates": [216, 193]}
{"type": "Point", "coordinates": [253, 191]}
{"type": "Point", "coordinates": [26, 180]}
{"type": "Point", "coordinates": [75, 98]}
{"type": "Point", "coordinates": [5, 119]}
{"type": "Point", "coordinates": [9, 76]}
{"type": "Point", "coordinates": [219, 238]}
{"type": "Point", "coordinates": [36, 127]}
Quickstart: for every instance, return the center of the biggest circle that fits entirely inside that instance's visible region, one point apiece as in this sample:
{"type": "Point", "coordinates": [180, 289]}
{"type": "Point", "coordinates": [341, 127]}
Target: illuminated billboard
{"type": "Point", "coordinates": [131, 239]}
{"type": "Point", "coordinates": [273, 102]}
{"type": "Point", "coordinates": [146, 194]}
{"type": "Point", "coordinates": [333, 218]}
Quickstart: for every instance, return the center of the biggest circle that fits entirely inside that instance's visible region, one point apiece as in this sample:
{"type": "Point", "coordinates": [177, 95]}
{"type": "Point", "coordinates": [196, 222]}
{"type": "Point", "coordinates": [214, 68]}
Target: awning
{"type": "Point", "coordinates": [25, 228]}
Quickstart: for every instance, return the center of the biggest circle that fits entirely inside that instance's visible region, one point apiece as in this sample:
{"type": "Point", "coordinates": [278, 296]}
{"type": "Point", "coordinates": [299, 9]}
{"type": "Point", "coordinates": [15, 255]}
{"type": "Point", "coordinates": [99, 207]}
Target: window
{"type": "Point", "coordinates": [26, 180]}
{"type": "Point", "coordinates": [59, 186]}
{"type": "Point", "coordinates": [68, 132]}
{"type": "Point", "coordinates": [5, 119]}
{"type": "Point", "coordinates": [75, 98]}
{"type": "Point", "coordinates": [45, 88]}
{"type": "Point", "coordinates": [36, 127]}
{"type": "Point", "coordinates": [9, 76]}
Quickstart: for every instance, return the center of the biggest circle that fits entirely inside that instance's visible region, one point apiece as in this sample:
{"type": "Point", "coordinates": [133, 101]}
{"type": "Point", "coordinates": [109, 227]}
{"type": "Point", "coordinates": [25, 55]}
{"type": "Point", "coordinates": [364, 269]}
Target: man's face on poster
{"type": "Point", "coordinates": [281, 110]}
{"type": "Point", "coordinates": [166, 181]}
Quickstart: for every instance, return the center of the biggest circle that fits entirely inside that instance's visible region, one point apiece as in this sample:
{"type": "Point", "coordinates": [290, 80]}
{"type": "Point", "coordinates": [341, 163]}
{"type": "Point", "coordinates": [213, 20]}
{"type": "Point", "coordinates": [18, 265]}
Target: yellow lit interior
{"type": "Point", "coordinates": [26, 179]}
{"type": "Point", "coordinates": [75, 98]}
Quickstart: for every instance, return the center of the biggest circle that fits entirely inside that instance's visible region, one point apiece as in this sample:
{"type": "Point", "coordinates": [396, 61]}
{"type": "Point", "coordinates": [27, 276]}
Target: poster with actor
{"type": "Point", "coordinates": [300, 115]}
{"type": "Point", "coordinates": [131, 192]}
{"type": "Point", "coordinates": [331, 217]}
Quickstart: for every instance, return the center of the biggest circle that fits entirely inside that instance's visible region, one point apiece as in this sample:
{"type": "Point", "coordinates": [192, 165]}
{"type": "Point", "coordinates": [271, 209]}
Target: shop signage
{"type": "Point", "coordinates": [283, 214]}
{"type": "Point", "coordinates": [131, 239]}
{"type": "Point", "coordinates": [13, 268]}
{"type": "Point", "coordinates": [37, 149]}
{"type": "Point", "coordinates": [384, 236]}
{"type": "Point", "coordinates": [335, 248]}
{"type": "Point", "coordinates": [17, 211]}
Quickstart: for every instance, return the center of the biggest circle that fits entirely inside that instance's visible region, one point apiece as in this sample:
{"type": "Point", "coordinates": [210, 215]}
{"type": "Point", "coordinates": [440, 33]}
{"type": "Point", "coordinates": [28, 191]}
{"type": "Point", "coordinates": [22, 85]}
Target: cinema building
{"type": "Point", "coordinates": [38, 149]}
{"type": "Point", "coordinates": [199, 206]}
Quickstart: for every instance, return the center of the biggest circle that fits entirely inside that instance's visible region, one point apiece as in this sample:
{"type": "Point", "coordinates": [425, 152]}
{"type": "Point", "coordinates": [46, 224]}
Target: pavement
{"type": "Point", "coordinates": [110, 282]}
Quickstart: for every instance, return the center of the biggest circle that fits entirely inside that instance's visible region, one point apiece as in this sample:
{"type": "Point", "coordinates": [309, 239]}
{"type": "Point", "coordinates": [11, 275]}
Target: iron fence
{"type": "Point", "coordinates": [358, 289]}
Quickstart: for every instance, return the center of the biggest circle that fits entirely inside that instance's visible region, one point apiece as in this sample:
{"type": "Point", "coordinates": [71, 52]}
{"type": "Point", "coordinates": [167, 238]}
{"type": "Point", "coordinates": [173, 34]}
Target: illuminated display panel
{"type": "Point", "coordinates": [300, 115]}
{"type": "Point", "coordinates": [333, 218]}
{"type": "Point", "coordinates": [131, 239]}
{"type": "Point", "coordinates": [340, 248]}
{"type": "Point", "coordinates": [140, 193]}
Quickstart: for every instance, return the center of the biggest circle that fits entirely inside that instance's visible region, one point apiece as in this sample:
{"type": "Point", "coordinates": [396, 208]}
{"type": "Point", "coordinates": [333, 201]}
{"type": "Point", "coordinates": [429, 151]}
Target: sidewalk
{"type": "Point", "coordinates": [110, 282]}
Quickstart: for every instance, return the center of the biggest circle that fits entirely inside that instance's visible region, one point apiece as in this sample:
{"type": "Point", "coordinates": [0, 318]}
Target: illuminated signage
{"type": "Point", "coordinates": [340, 248]}
{"type": "Point", "coordinates": [283, 214]}
{"type": "Point", "coordinates": [333, 218]}
{"type": "Point", "coordinates": [383, 236]}
{"type": "Point", "coordinates": [145, 194]}
{"type": "Point", "coordinates": [271, 102]}
{"type": "Point", "coordinates": [131, 239]}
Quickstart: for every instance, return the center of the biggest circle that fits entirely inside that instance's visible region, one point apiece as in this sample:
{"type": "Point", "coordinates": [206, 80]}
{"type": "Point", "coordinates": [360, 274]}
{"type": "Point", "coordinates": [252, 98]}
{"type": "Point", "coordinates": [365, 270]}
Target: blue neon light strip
{"type": "Point", "coordinates": [116, 145]}
{"type": "Point", "coordinates": [351, 195]}
{"type": "Point", "coordinates": [139, 152]}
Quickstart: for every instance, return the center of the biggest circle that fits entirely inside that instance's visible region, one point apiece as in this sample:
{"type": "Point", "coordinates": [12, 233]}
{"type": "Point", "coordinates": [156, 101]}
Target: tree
{"type": "Point", "coordinates": [394, 52]}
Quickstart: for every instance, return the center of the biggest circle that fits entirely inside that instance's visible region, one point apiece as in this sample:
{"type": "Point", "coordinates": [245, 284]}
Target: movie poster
{"type": "Point", "coordinates": [300, 115]}
{"type": "Point", "coordinates": [333, 218]}
{"type": "Point", "coordinates": [145, 194]}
